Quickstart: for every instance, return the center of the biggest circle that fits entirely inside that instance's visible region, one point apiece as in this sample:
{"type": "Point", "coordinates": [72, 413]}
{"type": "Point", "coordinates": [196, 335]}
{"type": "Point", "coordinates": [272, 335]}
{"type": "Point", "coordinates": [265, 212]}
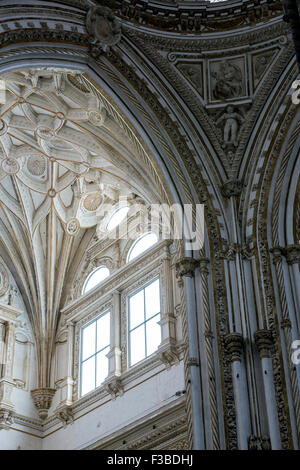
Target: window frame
{"type": "Point", "coordinates": [134, 292]}
{"type": "Point", "coordinates": [132, 246]}
{"type": "Point", "coordinates": [94, 320]}
{"type": "Point", "coordinates": [98, 268]}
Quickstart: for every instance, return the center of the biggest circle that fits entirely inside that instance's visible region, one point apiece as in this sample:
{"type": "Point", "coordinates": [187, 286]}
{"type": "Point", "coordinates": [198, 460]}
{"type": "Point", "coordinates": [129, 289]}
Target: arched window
{"type": "Point", "coordinates": [95, 278]}
{"type": "Point", "coordinates": [142, 244]}
{"type": "Point", "coordinates": [117, 217]}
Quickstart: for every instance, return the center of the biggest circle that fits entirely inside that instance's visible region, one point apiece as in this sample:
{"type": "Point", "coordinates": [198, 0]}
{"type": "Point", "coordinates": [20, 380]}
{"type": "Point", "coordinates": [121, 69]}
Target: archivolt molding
{"type": "Point", "coordinates": [4, 284]}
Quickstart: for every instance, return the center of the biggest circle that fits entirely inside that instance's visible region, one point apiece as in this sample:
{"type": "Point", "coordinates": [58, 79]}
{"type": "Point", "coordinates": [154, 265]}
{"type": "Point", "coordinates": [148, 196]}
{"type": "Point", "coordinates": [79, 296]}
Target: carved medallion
{"type": "Point", "coordinates": [36, 165]}
{"type": "Point", "coordinates": [73, 226]}
{"type": "Point", "coordinates": [45, 133]}
{"type": "Point", "coordinates": [103, 28]}
{"type": "Point", "coordinates": [10, 166]}
{"type": "Point", "coordinates": [97, 117]}
{"type": "Point", "coordinates": [92, 201]}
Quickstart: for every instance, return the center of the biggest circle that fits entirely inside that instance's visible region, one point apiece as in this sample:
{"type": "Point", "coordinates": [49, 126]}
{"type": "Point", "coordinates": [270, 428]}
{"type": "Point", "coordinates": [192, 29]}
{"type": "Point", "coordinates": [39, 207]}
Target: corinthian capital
{"type": "Point", "coordinates": [234, 345]}
{"type": "Point", "coordinates": [186, 267]}
{"type": "Point", "coordinates": [264, 342]}
{"type": "Point", "coordinates": [292, 253]}
{"type": "Point", "coordinates": [203, 265]}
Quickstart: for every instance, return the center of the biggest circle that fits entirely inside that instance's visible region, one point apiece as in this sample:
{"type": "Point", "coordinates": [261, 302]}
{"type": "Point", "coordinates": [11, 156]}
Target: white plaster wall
{"type": "Point", "coordinates": [136, 403]}
{"type": "Point", "coordinates": [17, 440]}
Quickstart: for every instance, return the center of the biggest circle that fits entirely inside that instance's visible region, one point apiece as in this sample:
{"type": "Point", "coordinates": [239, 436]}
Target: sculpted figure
{"type": "Point", "coordinates": [231, 127]}
{"type": "Point", "coordinates": [228, 81]}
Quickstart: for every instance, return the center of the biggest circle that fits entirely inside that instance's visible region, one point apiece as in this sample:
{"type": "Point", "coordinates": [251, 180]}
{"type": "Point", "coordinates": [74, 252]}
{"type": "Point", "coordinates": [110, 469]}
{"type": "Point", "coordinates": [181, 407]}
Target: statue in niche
{"type": "Point", "coordinates": [233, 120]}
{"type": "Point", "coordinates": [228, 81]}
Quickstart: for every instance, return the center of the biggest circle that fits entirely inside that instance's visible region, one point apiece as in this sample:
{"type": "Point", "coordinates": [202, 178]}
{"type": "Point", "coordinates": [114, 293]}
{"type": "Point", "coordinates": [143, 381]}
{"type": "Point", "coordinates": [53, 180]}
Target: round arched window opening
{"type": "Point", "coordinates": [95, 278]}
{"type": "Point", "coordinates": [117, 217]}
{"type": "Point", "coordinates": [142, 244]}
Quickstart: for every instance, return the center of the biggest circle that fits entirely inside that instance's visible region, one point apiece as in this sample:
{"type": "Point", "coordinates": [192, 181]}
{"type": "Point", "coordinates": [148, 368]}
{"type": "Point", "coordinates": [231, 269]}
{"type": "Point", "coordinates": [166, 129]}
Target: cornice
{"type": "Point", "coordinates": [186, 17]}
{"type": "Point", "coordinates": [150, 430]}
{"type": "Point", "coordinates": [118, 279]}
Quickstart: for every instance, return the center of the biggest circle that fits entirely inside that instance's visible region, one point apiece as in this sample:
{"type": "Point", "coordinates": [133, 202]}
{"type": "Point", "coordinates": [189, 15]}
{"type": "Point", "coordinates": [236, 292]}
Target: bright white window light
{"type": "Point", "coordinates": [143, 322]}
{"type": "Point", "coordinates": [95, 346]}
{"type": "Point", "coordinates": [95, 278]}
{"type": "Point", "coordinates": [117, 217]}
{"type": "Point", "coordinates": [142, 244]}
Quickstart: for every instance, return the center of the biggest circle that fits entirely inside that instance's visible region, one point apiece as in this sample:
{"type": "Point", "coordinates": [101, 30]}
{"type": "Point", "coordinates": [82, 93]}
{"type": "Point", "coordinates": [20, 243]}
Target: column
{"type": "Point", "coordinates": [264, 343]}
{"type": "Point", "coordinates": [234, 345]}
{"type": "Point", "coordinates": [185, 269]}
{"type": "Point", "coordinates": [113, 383]}
{"type": "Point", "coordinates": [167, 350]}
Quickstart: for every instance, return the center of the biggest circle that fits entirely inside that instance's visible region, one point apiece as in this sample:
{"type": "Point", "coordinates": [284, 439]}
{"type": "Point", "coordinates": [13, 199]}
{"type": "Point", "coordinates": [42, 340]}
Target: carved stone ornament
{"type": "Point", "coordinates": [103, 29]}
{"type": "Point", "coordinates": [168, 355]}
{"type": "Point", "coordinates": [65, 415]}
{"type": "Point", "coordinates": [10, 166]}
{"type": "Point", "coordinates": [259, 443]}
{"type": "Point", "coordinates": [114, 387]}
{"type": "Point", "coordinates": [186, 267]}
{"type": "Point", "coordinates": [292, 253]}
{"type": "Point", "coordinates": [42, 398]}
{"type": "Point", "coordinates": [36, 165]}
{"type": "Point", "coordinates": [4, 285]}
{"type": "Point", "coordinates": [6, 419]}
{"type": "Point", "coordinates": [234, 345]}
{"type": "Point", "coordinates": [232, 188]}
{"type": "Point", "coordinates": [73, 226]}
{"type": "Point", "coordinates": [264, 342]}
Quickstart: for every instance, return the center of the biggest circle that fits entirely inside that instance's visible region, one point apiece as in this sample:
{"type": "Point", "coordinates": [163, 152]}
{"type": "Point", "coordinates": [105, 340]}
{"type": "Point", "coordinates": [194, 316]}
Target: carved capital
{"type": "Point", "coordinates": [277, 252]}
{"type": "Point", "coordinates": [286, 323]}
{"type": "Point", "coordinates": [186, 267]}
{"type": "Point", "coordinates": [6, 418]}
{"type": "Point", "coordinates": [103, 28]}
{"type": "Point", "coordinates": [168, 354]}
{"type": "Point", "coordinates": [203, 265]}
{"type": "Point", "coordinates": [65, 415]}
{"type": "Point", "coordinates": [264, 342]}
{"type": "Point", "coordinates": [192, 361]}
{"type": "Point", "coordinates": [232, 188]}
{"type": "Point", "coordinates": [42, 398]}
{"type": "Point", "coordinates": [259, 443]}
{"type": "Point", "coordinates": [234, 345]}
{"type": "Point", "coordinates": [114, 387]}
{"type": "Point", "coordinates": [292, 253]}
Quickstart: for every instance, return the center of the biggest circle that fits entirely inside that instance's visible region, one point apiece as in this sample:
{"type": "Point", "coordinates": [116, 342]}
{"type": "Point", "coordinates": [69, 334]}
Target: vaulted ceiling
{"type": "Point", "coordinates": [64, 153]}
